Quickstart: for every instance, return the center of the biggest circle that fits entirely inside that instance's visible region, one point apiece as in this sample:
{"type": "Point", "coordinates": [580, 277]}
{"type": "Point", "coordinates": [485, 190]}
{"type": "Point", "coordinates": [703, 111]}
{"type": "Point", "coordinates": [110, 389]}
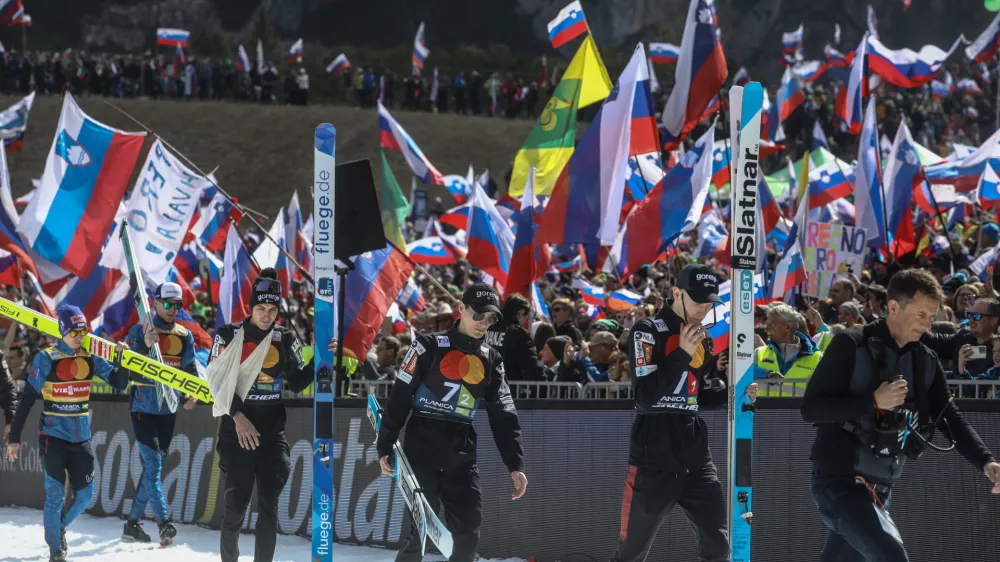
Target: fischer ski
{"type": "Point", "coordinates": [745, 114]}
{"type": "Point", "coordinates": [130, 360]}
{"type": "Point", "coordinates": [424, 517]}
{"type": "Point", "coordinates": [324, 161]}
{"type": "Point", "coordinates": [138, 285]}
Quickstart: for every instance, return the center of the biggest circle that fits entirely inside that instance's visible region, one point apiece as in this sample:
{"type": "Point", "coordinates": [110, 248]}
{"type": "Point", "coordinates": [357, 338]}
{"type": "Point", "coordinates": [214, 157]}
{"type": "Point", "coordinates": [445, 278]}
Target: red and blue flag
{"type": "Point", "coordinates": [490, 240]}
{"type": "Point", "coordinates": [168, 37]}
{"type": "Point", "coordinates": [430, 251]}
{"type": "Point", "coordinates": [529, 260]}
{"type": "Point", "coordinates": [376, 280]}
{"type": "Point", "coordinates": [236, 285]}
{"type": "Point", "coordinates": [394, 137]}
{"type": "Point", "coordinates": [664, 53]}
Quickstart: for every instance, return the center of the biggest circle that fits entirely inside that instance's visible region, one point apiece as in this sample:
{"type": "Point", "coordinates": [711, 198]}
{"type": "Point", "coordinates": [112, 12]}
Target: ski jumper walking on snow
{"type": "Point", "coordinates": [152, 418]}
{"type": "Point", "coordinates": [252, 445]}
{"type": "Point", "coordinates": [442, 380]}
{"type": "Point", "coordinates": [669, 460]}
{"type": "Point", "coordinates": [61, 375]}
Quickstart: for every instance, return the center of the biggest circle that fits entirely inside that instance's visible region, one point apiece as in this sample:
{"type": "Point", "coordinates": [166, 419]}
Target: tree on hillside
{"type": "Point", "coordinates": [261, 28]}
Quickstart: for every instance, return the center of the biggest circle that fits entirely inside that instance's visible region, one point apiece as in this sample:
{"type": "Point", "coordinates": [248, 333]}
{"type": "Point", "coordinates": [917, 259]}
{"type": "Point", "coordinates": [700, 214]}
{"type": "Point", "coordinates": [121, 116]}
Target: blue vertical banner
{"type": "Point", "coordinates": [325, 144]}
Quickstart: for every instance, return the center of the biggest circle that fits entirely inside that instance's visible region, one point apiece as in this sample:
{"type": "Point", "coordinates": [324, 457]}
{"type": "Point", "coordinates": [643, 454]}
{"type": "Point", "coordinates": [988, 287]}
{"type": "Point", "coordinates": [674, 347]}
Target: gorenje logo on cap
{"type": "Point", "coordinates": [487, 294]}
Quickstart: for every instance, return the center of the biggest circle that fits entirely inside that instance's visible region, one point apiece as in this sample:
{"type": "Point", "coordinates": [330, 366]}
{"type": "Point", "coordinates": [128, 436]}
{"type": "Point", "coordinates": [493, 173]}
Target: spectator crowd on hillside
{"type": "Point", "coordinates": [579, 342]}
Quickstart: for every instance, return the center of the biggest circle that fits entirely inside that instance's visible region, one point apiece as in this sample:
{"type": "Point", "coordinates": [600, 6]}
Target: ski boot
{"type": "Point", "coordinates": [133, 532]}
{"type": "Point", "coordinates": [167, 533]}
{"type": "Point", "coordinates": [57, 556]}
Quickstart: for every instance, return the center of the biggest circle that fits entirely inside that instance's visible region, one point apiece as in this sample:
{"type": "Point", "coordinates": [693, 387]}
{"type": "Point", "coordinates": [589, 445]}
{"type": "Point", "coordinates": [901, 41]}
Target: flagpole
{"type": "Point", "coordinates": [944, 230]}
{"type": "Point", "coordinates": [996, 107]}
{"type": "Point", "coordinates": [246, 210]}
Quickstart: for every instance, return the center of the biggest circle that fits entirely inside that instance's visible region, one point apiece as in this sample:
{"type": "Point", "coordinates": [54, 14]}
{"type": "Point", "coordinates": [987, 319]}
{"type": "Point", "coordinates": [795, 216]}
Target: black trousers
{"type": "Point", "coordinates": [268, 466]}
{"type": "Point", "coordinates": [458, 490]}
{"type": "Point", "coordinates": [860, 530]}
{"type": "Point", "coordinates": [650, 494]}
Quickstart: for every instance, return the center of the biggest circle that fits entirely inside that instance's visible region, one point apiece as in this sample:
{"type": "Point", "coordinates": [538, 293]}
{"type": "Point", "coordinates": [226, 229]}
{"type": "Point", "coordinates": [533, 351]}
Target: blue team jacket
{"type": "Point", "coordinates": [177, 349]}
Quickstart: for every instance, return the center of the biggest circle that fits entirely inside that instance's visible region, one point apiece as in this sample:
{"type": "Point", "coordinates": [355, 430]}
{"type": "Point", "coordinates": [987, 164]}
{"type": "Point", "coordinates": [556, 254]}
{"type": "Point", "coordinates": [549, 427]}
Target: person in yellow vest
{"type": "Point", "coordinates": [787, 356]}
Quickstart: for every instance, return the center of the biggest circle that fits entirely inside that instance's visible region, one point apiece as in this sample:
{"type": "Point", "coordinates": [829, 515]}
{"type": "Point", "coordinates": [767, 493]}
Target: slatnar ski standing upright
{"type": "Point", "coordinates": [745, 111]}
{"type": "Point", "coordinates": [323, 318]}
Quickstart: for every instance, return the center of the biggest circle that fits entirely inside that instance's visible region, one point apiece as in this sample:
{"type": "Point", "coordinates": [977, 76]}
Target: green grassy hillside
{"type": "Point", "coordinates": [265, 152]}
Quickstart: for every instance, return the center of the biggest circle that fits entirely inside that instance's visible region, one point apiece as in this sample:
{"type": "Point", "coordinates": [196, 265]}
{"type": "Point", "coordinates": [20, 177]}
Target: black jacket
{"type": "Point", "coordinates": [8, 392]}
{"type": "Point", "coordinates": [267, 416]}
{"type": "Point", "coordinates": [520, 358]}
{"type": "Point", "coordinates": [441, 439]}
{"type": "Point", "coordinates": [572, 331]}
{"type": "Point", "coordinates": [667, 432]}
{"type": "Point", "coordinates": [830, 401]}
{"type": "Point", "coordinates": [947, 345]}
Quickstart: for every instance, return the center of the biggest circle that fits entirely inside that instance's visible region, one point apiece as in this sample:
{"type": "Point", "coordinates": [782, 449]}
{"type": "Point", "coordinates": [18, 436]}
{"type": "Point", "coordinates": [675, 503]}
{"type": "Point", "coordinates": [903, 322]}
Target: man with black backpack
{"type": "Point", "coordinates": [876, 397]}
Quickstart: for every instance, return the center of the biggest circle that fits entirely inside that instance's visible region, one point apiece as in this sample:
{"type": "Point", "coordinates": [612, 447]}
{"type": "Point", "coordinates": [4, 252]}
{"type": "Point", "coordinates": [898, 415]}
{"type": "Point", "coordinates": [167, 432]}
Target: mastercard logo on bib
{"type": "Point", "coordinates": [456, 365]}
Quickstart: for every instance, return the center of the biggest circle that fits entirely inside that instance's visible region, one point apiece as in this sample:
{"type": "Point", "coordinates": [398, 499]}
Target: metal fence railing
{"type": "Point", "coordinates": [527, 390]}
{"type": "Point", "coordinates": [608, 391]}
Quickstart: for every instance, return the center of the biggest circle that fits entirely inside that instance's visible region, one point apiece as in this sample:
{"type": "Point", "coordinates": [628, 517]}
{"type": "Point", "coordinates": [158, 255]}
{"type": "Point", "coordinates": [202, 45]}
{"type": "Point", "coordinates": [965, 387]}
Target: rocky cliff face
{"type": "Point", "coordinates": [751, 29]}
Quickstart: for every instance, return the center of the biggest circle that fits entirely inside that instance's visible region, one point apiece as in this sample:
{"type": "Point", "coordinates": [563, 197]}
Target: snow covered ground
{"type": "Point", "coordinates": [93, 539]}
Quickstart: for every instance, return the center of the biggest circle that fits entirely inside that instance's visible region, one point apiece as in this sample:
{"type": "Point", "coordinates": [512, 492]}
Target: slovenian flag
{"type": "Point", "coordinates": [395, 137]}
{"type": "Point", "coordinates": [791, 41]}
{"type": "Point", "coordinates": [828, 183]}
{"type": "Point", "coordinates": [567, 25]}
{"type": "Point", "coordinates": [242, 60]}
{"type": "Point", "coordinates": [411, 297]}
{"type": "Point", "coordinates": [674, 206]}
{"type": "Point", "coordinates": [85, 178]}
{"type": "Point", "coordinates": [529, 260]}
{"type": "Point", "coordinates": [789, 272]}
{"type": "Point", "coordinates": [717, 322]}
{"type": "Point", "coordinates": [589, 293]}
{"type": "Point", "coordinates": [985, 46]}
{"type": "Point", "coordinates": [904, 176]}
{"type": "Point", "coordinates": [14, 122]}
{"type": "Point", "coordinates": [623, 299]}
{"type": "Point", "coordinates": [236, 285]}
{"type": "Point", "coordinates": [168, 37]}
{"type": "Point", "coordinates": [664, 53]}
{"type": "Point", "coordinates": [430, 251]}
{"type": "Point", "coordinates": [338, 65]}
{"type": "Point", "coordinates": [374, 284]}
{"type": "Point", "coordinates": [213, 222]}
{"type": "Point", "coordinates": [295, 52]}
{"type": "Point", "coordinates": [855, 90]}
{"type": "Point", "coordinates": [420, 50]}
{"type": "Point", "coordinates": [491, 242]}
{"type": "Point", "coordinates": [905, 68]}
{"type": "Point", "coordinates": [700, 72]}
{"type": "Point", "coordinates": [586, 201]}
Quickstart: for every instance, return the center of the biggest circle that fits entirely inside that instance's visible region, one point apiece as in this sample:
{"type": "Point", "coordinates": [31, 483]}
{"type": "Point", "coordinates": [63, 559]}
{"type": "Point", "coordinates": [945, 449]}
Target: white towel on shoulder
{"type": "Point", "coordinates": [228, 376]}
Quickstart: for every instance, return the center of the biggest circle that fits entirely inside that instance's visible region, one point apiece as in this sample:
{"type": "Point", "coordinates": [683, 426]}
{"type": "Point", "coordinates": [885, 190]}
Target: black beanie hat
{"type": "Point", "coordinates": [266, 289]}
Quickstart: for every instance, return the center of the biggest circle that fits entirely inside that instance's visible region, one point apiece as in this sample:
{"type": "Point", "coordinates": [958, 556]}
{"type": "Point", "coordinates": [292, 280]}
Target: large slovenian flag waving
{"type": "Point", "coordinates": [791, 41]}
{"type": "Point", "coordinates": [905, 68]}
{"type": "Point", "coordinates": [85, 178]}
{"type": "Point", "coordinates": [586, 201]}
{"type": "Point", "coordinates": [868, 203]}
{"type": "Point", "coordinates": [491, 242]}
{"type": "Point", "coordinates": [169, 37]}
{"type": "Point", "coordinates": [567, 25]}
{"type": "Point", "coordinates": [394, 137]}
{"type": "Point", "coordinates": [985, 46]}
{"type": "Point", "coordinates": [376, 280]}
{"type": "Point", "coordinates": [14, 122]}
{"type": "Point", "coordinates": [664, 53]}
{"type": "Point", "coordinates": [236, 285]}
{"type": "Point", "coordinates": [674, 206]}
{"type": "Point", "coordinates": [529, 260]}
{"type": "Point", "coordinates": [701, 71]}
{"type": "Point", "coordinates": [904, 176]}
{"type": "Point", "coordinates": [430, 251]}
{"type": "Point", "coordinates": [850, 99]}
